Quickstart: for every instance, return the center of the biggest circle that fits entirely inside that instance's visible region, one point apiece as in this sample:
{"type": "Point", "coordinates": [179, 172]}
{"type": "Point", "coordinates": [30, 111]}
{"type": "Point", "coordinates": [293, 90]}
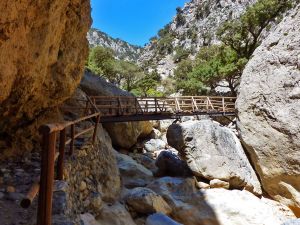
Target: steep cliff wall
{"type": "Point", "coordinates": [43, 48]}
{"type": "Point", "coordinates": [269, 111]}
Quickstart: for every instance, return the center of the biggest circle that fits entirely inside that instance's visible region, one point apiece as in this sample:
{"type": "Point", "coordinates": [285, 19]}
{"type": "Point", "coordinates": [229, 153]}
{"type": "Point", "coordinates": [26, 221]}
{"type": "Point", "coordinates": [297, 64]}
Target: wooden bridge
{"type": "Point", "coordinates": [103, 109]}
{"type": "Point", "coordinates": [127, 108]}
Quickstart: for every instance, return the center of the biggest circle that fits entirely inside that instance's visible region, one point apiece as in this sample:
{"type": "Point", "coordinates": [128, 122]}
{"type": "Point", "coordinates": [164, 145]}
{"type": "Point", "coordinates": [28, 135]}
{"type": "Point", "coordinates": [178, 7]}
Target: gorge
{"type": "Point", "coordinates": [192, 170]}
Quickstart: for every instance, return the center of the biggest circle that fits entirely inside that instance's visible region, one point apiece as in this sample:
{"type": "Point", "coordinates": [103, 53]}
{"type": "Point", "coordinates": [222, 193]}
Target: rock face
{"type": "Point", "coordinates": [122, 49]}
{"type": "Point", "coordinates": [43, 49]}
{"type": "Point", "coordinates": [269, 111]}
{"type": "Point", "coordinates": [201, 19]}
{"type": "Point", "coordinates": [213, 152]}
{"type": "Point", "coordinates": [123, 135]}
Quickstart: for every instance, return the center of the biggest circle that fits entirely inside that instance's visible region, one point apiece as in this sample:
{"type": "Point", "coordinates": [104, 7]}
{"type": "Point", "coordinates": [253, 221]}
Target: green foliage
{"type": "Point", "coordinates": [180, 20]}
{"type": "Point", "coordinates": [125, 74]}
{"type": "Point", "coordinates": [244, 34]}
{"type": "Point", "coordinates": [147, 85]}
{"type": "Point", "coordinates": [239, 37]}
{"type": "Point", "coordinates": [101, 61]}
{"type": "Point", "coordinates": [181, 54]}
{"type": "Point", "coordinates": [164, 45]}
{"type": "Point", "coordinates": [202, 11]}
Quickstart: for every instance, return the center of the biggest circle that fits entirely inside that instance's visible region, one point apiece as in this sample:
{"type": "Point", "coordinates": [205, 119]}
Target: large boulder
{"type": "Point", "coordinates": [126, 135]}
{"type": "Point", "coordinates": [123, 135]}
{"type": "Point", "coordinates": [214, 152]}
{"type": "Point", "coordinates": [43, 49]}
{"type": "Point", "coordinates": [268, 107]}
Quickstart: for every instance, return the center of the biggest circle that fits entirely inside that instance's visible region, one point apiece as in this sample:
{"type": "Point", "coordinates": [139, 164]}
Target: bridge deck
{"type": "Point", "coordinates": [127, 108]}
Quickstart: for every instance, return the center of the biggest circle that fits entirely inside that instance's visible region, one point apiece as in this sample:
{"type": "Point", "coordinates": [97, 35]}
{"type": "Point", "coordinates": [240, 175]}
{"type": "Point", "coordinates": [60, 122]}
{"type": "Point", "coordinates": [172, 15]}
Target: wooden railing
{"type": "Point", "coordinates": [127, 105]}
{"type": "Point", "coordinates": [50, 154]}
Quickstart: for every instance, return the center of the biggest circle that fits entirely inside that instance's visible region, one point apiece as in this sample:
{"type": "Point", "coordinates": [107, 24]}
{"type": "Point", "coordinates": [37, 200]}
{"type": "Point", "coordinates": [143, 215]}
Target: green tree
{"type": "Point", "coordinates": [245, 33]}
{"type": "Point", "coordinates": [181, 54]}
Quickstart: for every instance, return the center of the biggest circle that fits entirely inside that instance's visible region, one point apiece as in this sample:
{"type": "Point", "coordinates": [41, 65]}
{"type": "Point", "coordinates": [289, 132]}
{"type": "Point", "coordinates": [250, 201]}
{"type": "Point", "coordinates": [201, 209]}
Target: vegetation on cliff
{"type": "Point", "coordinates": [226, 61]}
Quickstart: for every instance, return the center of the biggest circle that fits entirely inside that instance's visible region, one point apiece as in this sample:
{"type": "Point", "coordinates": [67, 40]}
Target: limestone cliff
{"type": "Point", "coordinates": [194, 26]}
{"type": "Point", "coordinates": [43, 48]}
{"type": "Point", "coordinates": [269, 111]}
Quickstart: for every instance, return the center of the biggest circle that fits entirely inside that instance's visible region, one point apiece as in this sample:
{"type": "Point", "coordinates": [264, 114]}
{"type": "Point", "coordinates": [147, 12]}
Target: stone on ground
{"type": "Point", "coordinates": [169, 164]}
{"type": "Point", "coordinates": [154, 145]}
{"type": "Point", "coordinates": [114, 214]}
{"type": "Point", "coordinates": [160, 219]}
{"type": "Point", "coordinates": [146, 201]}
{"type": "Point", "coordinates": [133, 174]}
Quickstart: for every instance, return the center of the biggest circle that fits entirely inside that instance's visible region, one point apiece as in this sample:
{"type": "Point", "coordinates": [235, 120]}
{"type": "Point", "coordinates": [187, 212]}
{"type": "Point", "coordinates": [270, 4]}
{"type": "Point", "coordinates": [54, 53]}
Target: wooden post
{"type": "Point", "coordinates": [96, 128]}
{"type": "Point", "coordinates": [47, 177]}
{"type": "Point", "coordinates": [155, 102]}
{"type": "Point", "coordinates": [72, 139]}
{"type": "Point", "coordinates": [223, 105]}
{"type": "Point", "coordinates": [60, 162]}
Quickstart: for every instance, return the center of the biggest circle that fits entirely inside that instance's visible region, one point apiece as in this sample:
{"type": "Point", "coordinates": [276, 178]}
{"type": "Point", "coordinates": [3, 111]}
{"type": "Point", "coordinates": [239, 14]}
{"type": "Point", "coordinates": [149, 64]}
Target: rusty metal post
{"type": "Point", "coordinates": [47, 177]}
{"type": "Point", "coordinates": [32, 193]}
{"type": "Point", "coordinates": [72, 139]}
{"type": "Point", "coordinates": [60, 162]}
{"type": "Point", "coordinates": [96, 128]}
{"type": "Point", "coordinates": [86, 110]}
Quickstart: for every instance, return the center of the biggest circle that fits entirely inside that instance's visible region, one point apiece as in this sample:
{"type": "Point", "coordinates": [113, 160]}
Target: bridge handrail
{"type": "Point", "coordinates": [49, 156]}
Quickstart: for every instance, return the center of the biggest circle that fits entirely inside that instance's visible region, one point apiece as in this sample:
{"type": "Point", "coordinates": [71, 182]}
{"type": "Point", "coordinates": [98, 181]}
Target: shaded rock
{"type": "Point", "coordinates": [164, 125]}
{"type": "Point", "coordinates": [145, 160]}
{"type": "Point", "coordinates": [292, 222]}
{"type": "Point", "coordinates": [41, 63]}
{"type": "Point", "coordinates": [169, 164]}
{"type": "Point", "coordinates": [214, 152]}
{"type": "Point", "coordinates": [215, 183]}
{"type": "Point", "coordinates": [114, 214]}
{"type": "Point", "coordinates": [155, 134]}
{"type": "Point", "coordinates": [268, 111]}
{"type": "Point", "coordinates": [154, 145]}
{"type": "Point", "coordinates": [63, 220]}
{"type": "Point", "coordinates": [146, 201]}
{"type": "Point", "coordinates": [123, 135]}
{"type": "Point", "coordinates": [95, 85]}
{"type": "Point", "coordinates": [160, 219]}
{"type": "Point", "coordinates": [88, 219]}
{"type": "Point", "coordinates": [132, 173]}
{"type": "Point", "coordinates": [173, 189]}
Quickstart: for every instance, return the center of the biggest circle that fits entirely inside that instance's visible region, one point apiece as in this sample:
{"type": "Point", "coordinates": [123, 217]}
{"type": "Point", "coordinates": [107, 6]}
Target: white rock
{"type": "Point", "coordinates": [214, 152]}
{"type": "Point", "coordinates": [269, 111]}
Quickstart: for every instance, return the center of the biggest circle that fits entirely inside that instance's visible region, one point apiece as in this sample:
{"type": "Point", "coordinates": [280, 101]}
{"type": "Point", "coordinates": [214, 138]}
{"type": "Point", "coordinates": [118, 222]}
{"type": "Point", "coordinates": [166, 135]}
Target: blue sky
{"type": "Point", "coordinates": [135, 21]}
